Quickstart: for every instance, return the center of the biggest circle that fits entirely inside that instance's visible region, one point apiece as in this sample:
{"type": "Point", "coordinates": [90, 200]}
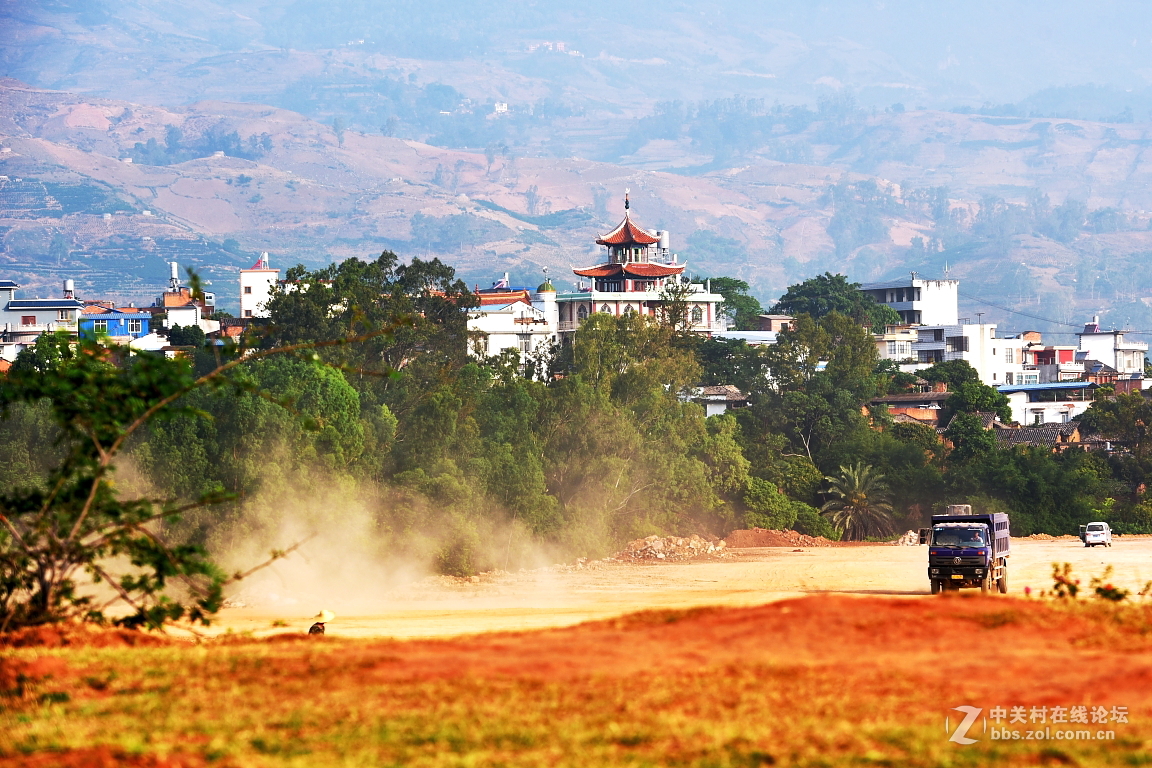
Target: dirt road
{"type": "Point", "coordinates": [565, 596]}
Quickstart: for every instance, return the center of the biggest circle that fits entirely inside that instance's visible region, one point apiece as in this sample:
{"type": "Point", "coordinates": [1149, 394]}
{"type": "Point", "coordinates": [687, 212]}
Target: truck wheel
{"type": "Point", "coordinates": [935, 586]}
{"type": "Point", "coordinates": [1002, 583]}
{"type": "Point", "coordinates": [985, 585]}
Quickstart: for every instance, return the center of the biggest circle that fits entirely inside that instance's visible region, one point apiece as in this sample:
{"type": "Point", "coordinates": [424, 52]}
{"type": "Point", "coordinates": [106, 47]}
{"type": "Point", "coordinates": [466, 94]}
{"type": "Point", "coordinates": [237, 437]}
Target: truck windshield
{"type": "Point", "coordinates": [959, 537]}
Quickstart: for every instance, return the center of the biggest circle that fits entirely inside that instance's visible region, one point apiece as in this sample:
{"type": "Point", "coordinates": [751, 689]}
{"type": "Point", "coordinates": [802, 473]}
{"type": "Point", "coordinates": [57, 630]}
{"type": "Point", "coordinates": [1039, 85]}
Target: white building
{"type": "Point", "coordinates": [997, 360]}
{"type": "Point", "coordinates": [717, 400]}
{"type": "Point", "coordinates": [1110, 348]}
{"type": "Point", "coordinates": [256, 284]}
{"type": "Point", "coordinates": [23, 320]}
{"type": "Point", "coordinates": [182, 309]}
{"type": "Point", "coordinates": [917, 301]}
{"type": "Point", "coordinates": [513, 320]}
{"type": "Point", "coordinates": [1055, 402]}
{"type": "Point", "coordinates": [897, 343]}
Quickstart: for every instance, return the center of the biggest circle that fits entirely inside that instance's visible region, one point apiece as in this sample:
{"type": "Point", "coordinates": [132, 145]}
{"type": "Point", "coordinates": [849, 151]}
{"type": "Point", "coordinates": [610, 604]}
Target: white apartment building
{"type": "Point", "coordinates": [513, 320]}
{"type": "Point", "coordinates": [1110, 348]}
{"type": "Point", "coordinates": [23, 320]}
{"type": "Point", "coordinates": [997, 360]}
{"type": "Point", "coordinates": [897, 343]}
{"type": "Point", "coordinates": [918, 301]}
{"type": "Point", "coordinates": [256, 284]}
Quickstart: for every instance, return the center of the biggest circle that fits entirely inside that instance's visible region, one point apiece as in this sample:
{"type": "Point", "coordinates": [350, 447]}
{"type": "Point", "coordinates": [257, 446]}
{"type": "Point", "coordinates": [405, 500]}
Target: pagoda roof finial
{"type": "Point", "coordinates": [626, 203]}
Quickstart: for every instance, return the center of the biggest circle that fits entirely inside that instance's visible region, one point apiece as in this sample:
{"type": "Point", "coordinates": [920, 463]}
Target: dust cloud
{"type": "Point", "coordinates": [361, 548]}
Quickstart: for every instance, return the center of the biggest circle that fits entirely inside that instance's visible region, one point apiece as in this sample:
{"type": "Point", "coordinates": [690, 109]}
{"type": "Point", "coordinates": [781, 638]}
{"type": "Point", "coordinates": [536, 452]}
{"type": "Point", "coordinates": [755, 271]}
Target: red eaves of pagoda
{"type": "Point", "coordinates": [632, 270]}
{"type": "Point", "coordinates": [627, 233]}
{"type": "Point", "coordinates": [507, 297]}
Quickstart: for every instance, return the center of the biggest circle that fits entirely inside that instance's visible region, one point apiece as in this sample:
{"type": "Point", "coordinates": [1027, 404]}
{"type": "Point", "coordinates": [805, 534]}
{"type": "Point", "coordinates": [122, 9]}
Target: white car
{"type": "Point", "coordinates": [1096, 534]}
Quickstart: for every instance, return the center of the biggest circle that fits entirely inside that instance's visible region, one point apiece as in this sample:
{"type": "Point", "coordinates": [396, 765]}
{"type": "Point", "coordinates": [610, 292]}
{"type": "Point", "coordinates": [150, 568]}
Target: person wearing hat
{"type": "Point", "coordinates": [323, 618]}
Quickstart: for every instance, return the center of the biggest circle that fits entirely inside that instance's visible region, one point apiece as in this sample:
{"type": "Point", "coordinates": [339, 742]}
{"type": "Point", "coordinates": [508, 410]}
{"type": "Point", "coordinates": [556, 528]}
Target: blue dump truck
{"type": "Point", "coordinates": [967, 550]}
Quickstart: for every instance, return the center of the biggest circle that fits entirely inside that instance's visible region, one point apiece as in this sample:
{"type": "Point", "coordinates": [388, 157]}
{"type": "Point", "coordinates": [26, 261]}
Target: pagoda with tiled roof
{"type": "Point", "coordinates": [633, 280]}
{"type": "Point", "coordinates": [630, 251]}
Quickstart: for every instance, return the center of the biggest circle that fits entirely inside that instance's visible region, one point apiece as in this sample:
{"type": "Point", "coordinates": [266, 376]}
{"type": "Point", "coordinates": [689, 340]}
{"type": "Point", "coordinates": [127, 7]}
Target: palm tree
{"type": "Point", "coordinates": [860, 507]}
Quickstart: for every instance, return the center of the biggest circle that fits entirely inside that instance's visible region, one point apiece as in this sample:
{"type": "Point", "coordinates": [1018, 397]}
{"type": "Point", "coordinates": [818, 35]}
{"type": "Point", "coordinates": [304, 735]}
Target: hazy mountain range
{"type": "Point", "coordinates": [774, 139]}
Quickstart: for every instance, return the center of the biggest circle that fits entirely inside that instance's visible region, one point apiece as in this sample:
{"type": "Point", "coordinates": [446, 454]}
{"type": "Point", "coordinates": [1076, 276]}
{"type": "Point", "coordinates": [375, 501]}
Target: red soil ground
{"type": "Point", "coordinates": [921, 657]}
{"type": "Point", "coordinates": [762, 537]}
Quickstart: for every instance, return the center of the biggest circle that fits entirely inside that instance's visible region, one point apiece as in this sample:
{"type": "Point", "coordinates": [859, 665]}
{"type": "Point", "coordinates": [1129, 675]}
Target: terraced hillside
{"type": "Point", "coordinates": [1040, 217]}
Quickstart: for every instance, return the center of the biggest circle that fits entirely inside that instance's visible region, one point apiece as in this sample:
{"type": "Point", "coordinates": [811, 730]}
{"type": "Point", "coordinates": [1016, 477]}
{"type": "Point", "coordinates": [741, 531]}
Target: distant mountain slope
{"type": "Point", "coordinates": [308, 193]}
{"type": "Point", "coordinates": [567, 69]}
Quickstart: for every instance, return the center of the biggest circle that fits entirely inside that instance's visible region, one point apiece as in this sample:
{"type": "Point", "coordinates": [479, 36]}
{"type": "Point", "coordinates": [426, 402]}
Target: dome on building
{"type": "Point", "coordinates": [546, 287]}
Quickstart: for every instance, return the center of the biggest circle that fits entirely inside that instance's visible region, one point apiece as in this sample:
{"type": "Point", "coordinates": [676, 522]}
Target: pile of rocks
{"type": "Point", "coordinates": [672, 548]}
{"type": "Point", "coordinates": [909, 539]}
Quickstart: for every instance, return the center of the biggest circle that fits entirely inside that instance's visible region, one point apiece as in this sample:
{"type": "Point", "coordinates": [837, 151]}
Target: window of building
{"type": "Point", "coordinates": [247, 289]}
{"type": "Point", "coordinates": [1029, 378]}
{"type": "Point", "coordinates": [64, 316]}
{"type": "Point", "coordinates": [697, 315]}
{"type": "Point", "coordinates": [628, 310]}
{"type": "Point", "coordinates": [28, 320]}
{"type": "Point", "coordinates": [100, 326]}
{"type": "Point", "coordinates": [247, 313]}
{"type": "Point", "coordinates": [525, 342]}
{"type": "Point", "coordinates": [582, 313]}
{"type": "Point", "coordinates": [1065, 416]}
{"type": "Point", "coordinates": [957, 343]}
{"type": "Point", "coordinates": [930, 355]}
{"type": "Point", "coordinates": [1008, 378]}
{"type": "Point", "coordinates": [135, 326]}
{"type": "Point", "coordinates": [938, 334]}
{"type": "Point", "coordinates": [1037, 417]}
{"type": "Point", "coordinates": [606, 309]}
{"type": "Point", "coordinates": [1009, 355]}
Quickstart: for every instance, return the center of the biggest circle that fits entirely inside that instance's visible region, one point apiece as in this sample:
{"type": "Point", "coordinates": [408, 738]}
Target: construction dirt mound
{"type": "Point", "coordinates": [1050, 537]}
{"type": "Point", "coordinates": [762, 537]}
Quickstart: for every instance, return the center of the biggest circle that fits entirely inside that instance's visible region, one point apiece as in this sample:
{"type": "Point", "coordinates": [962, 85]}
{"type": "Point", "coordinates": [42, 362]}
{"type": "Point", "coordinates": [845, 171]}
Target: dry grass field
{"type": "Point", "coordinates": [816, 657]}
{"type": "Point", "coordinates": [821, 680]}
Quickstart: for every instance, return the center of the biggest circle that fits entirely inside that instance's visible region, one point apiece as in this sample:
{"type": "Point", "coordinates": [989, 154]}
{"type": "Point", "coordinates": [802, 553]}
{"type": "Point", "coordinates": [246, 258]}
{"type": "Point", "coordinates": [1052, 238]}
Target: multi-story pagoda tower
{"type": "Point", "coordinates": [633, 279]}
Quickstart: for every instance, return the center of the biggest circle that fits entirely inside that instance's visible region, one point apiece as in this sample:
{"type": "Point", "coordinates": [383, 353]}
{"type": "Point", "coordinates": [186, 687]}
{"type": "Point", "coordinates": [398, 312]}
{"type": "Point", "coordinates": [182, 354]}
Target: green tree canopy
{"type": "Point", "coordinates": [859, 507]}
{"type": "Point", "coordinates": [1126, 419]}
{"type": "Point", "coordinates": [951, 372]}
{"type": "Point", "coordinates": [822, 372]}
{"type": "Point", "coordinates": [824, 294]}
{"type": "Point", "coordinates": [974, 397]}
{"type": "Point", "coordinates": [190, 336]}
{"type": "Point", "coordinates": [742, 309]}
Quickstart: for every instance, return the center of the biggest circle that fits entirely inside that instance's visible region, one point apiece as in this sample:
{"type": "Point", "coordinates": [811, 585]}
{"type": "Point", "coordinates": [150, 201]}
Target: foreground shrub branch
{"type": "Point", "coordinates": [74, 527]}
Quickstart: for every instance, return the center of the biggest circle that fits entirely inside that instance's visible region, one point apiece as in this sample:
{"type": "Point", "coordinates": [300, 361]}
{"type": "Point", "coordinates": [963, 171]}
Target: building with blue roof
{"type": "Point", "coordinates": [1056, 402]}
{"type": "Point", "coordinates": [118, 326]}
